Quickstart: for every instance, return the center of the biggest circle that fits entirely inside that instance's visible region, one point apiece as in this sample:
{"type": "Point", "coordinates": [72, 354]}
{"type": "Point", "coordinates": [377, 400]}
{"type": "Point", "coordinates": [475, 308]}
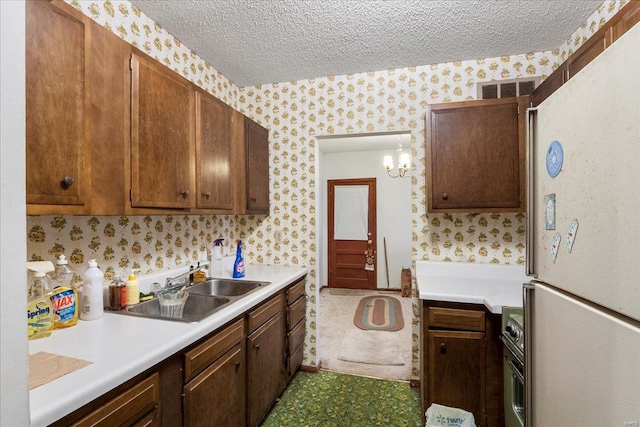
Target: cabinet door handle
{"type": "Point", "coordinates": [67, 181]}
{"type": "Point", "coordinates": [237, 364]}
{"type": "Point", "coordinates": [207, 195]}
{"type": "Point", "coordinates": [443, 348]}
{"type": "Point", "coordinates": [257, 346]}
{"type": "Point", "coordinates": [253, 199]}
{"type": "Point", "coordinates": [185, 194]}
{"type": "Point", "coordinates": [445, 196]}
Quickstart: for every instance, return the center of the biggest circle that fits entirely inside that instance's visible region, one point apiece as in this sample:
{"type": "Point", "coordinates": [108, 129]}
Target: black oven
{"type": "Point", "coordinates": [513, 352]}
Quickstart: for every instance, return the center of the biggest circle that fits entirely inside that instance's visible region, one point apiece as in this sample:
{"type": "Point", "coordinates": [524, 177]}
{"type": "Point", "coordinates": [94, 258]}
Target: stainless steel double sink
{"type": "Point", "coordinates": [204, 299]}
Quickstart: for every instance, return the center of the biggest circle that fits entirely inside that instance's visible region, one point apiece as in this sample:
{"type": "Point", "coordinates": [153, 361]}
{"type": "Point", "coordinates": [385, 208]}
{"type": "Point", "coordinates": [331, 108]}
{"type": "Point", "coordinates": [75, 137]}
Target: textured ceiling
{"type": "Point", "coordinates": [266, 41]}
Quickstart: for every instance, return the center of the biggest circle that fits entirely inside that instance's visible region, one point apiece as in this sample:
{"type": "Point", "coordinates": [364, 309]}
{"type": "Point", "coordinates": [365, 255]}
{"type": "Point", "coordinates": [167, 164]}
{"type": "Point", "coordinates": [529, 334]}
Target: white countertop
{"type": "Point", "coordinates": [495, 286]}
{"type": "Point", "coordinates": [122, 347]}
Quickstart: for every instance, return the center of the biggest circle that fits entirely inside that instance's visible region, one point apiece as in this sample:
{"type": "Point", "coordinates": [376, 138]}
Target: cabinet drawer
{"type": "Point", "coordinates": [263, 313]}
{"type": "Point", "coordinates": [295, 291]}
{"type": "Point", "coordinates": [296, 336]}
{"type": "Point", "coordinates": [133, 403]}
{"type": "Point", "coordinates": [295, 360]}
{"type": "Point", "coordinates": [450, 318]}
{"type": "Point", "coordinates": [203, 355]}
{"type": "Point", "coordinates": [296, 311]}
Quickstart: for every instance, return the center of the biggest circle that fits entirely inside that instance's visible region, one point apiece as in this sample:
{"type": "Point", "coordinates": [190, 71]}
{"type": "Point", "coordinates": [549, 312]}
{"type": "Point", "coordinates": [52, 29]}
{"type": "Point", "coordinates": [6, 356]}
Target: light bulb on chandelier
{"type": "Point", "coordinates": [404, 163]}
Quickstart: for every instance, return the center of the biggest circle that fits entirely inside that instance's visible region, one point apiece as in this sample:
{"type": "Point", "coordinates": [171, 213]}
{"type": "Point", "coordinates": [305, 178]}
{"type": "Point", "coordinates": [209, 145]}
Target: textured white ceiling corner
{"type": "Point", "coordinates": [267, 41]}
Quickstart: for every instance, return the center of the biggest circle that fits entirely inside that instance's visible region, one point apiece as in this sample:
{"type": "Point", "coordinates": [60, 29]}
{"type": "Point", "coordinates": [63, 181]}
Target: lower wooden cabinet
{"type": "Point", "coordinates": [461, 360]}
{"type": "Point", "coordinates": [296, 327]}
{"type": "Point", "coordinates": [136, 405]}
{"type": "Point", "coordinates": [214, 375]}
{"type": "Point", "coordinates": [216, 397]}
{"type": "Point", "coordinates": [231, 377]}
{"type": "Point", "coordinates": [265, 365]}
{"type": "Point", "coordinates": [456, 370]}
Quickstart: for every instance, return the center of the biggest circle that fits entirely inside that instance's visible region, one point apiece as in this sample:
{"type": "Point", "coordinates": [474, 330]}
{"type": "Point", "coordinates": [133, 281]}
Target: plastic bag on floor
{"type": "Point", "coordinates": [445, 416]}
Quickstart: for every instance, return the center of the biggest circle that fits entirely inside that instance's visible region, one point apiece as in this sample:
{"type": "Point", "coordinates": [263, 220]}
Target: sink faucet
{"type": "Point", "coordinates": [184, 278]}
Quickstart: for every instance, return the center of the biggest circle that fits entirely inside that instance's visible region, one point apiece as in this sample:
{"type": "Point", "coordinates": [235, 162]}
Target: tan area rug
{"type": "Point", "coordinates": [371, 347]}
{"type": "Point", "coordinates": [379, 313]}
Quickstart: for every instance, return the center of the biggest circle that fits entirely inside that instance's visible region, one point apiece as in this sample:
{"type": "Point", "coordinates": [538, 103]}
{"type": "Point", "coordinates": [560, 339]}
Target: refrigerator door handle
{"type": "Point", "coordinates": [529, 236]}
{"type": "Point", "coordinates": [527, 300]}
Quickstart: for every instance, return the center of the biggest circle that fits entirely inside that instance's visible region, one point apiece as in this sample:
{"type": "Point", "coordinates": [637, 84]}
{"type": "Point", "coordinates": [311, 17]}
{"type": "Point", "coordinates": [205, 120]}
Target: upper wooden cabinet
{"type": "Point", "coordinates": [627, 17]}
{"type": "Point", "coordinates": [257, 168]}
{"type": "Point", "coordinates": [58, 148]}
{"type": "Point", "coordinates": [476, 155]}
{"type": "Point", "coordinates": [162, 136]}
{"type": "Point", "coordinates": [110, 113]}
{"type": "Point", "coordinates": [214, 148]}
{"type": "Point", "coordinates": [114, 133]}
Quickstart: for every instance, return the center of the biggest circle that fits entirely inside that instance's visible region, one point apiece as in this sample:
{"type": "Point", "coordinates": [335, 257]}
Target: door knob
{"type": "Point", "coordinates": [445, 196]}
{"type": "Point", "coordinates": [185, 194]}
{"type": "Point", "coordinates": [443, 348]}
{"type": "Point", "coordinates": [67, 181]}
{"type": "Point", "coordinates": [207, 195]}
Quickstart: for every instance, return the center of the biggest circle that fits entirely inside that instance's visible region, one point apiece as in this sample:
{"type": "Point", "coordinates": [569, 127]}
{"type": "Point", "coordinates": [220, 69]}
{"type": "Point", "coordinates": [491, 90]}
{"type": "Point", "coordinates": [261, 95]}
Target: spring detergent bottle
{"type": "Point", "coordinates": [39, 309]}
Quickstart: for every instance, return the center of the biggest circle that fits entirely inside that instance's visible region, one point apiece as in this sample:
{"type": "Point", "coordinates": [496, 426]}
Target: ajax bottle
{"type": "Point", "coordinates": [91, 306]}
{"type": "Point", "coordinates": [64, 297]}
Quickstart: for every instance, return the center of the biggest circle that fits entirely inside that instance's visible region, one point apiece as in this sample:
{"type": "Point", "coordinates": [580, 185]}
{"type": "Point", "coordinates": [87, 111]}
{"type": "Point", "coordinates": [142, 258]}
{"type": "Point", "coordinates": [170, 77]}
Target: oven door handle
{"type": "Point", "coordinates": [515, 371]}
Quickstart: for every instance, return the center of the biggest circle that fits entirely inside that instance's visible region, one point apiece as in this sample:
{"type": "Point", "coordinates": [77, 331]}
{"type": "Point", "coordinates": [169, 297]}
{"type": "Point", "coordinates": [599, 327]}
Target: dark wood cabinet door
{"type": "Point", "coordinates": [162, 136]}
{"type": "Point", "coordinates": [629, 16]}
{"type": "Point", "coordinates": [550, 85]}
{"type": "Point", "coordinates": [588, 51]}
{"type": "Point", "coordinates": [266, 368]}
{"type": "Point", "coordinates": [57, 97]}
{"type": "Point", "coordinates": [476, 152]}
{"type": "Point", "coordinates": [257, 167]}
{"type": "Point", "coordinates": [456, 371]}
{"type": "Point", "coordinates": [216, 397]}
{"type": "Point", "coordinates": [213, 154]}
{"type": "Point", "coordinates": [110, 112]}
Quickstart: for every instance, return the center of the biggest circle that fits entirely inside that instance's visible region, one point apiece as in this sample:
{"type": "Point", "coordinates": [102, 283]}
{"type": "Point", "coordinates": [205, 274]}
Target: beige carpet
{"type": "Point", "coordinates": [336, 317]}
{"type": "Point", "coordinates": [371, 347]}
{"type": "Point", "coordinates": [340, 291]}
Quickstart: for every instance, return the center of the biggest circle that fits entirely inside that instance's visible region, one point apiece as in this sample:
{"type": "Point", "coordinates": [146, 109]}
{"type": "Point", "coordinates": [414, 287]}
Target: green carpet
{"type": "Point", "coordinates": [331, 399]}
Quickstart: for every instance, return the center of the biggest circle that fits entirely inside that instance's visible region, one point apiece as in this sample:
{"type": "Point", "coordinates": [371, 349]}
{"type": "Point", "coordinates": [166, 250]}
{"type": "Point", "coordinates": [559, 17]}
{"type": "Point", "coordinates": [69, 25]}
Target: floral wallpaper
{"type": "Point", "coordinates": [296, 113]}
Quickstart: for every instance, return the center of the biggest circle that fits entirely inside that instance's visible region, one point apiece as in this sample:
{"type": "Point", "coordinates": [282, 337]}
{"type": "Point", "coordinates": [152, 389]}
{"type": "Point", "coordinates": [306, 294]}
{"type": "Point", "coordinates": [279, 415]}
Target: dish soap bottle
{"type": "Point", "coordinates": [238, 265]}
{"type": "Point", "coordinates": [64, 297]}
{"type": "Point", "coordinates": [39, 308]}
{"type": "Point", "coordinates": [215, 264]}
{"type": "Point", "coordinates": [92, 299]}
{"type": "Point", "coordinates": [133, 289]}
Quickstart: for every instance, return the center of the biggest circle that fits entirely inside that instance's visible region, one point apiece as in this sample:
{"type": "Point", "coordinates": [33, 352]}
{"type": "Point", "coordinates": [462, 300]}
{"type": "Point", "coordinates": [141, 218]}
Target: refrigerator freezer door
{"type": "Point", "coordinates": [583, 365]}
{"type": "Point", "coordinates": [595, 116]}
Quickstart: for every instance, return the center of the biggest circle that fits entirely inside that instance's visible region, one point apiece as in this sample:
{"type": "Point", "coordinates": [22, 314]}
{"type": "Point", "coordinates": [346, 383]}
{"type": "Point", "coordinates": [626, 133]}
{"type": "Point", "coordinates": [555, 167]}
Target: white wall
{"type": "Point", "coordinates": [393, 209]}
{"type": "Point", "coordinates": [14, 393]}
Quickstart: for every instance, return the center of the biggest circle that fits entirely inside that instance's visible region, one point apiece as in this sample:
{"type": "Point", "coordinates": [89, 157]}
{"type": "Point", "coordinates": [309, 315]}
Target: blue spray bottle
{"type": "Point", "coordinates": [238, 265]}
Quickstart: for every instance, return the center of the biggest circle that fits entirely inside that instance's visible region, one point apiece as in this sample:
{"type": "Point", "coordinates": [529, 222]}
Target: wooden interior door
{"type": "Point", "coordinates": [347, 252]}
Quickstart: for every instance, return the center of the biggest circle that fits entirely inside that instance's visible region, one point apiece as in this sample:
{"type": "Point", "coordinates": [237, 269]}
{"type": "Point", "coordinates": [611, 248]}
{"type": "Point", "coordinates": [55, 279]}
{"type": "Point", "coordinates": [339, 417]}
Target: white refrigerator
{"type": "Point", "coordinates": [582, 307]}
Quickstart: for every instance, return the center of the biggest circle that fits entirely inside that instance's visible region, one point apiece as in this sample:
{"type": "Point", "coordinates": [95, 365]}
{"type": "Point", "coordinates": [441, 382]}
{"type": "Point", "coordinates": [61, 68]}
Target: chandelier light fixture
{"type": "Point", "coordinates": [404, 163]}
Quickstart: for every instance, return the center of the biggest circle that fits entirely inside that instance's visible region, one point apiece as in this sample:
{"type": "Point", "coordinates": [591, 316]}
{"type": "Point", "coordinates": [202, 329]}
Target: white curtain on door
{"type": "Point", "coordinates": [351, 212]}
